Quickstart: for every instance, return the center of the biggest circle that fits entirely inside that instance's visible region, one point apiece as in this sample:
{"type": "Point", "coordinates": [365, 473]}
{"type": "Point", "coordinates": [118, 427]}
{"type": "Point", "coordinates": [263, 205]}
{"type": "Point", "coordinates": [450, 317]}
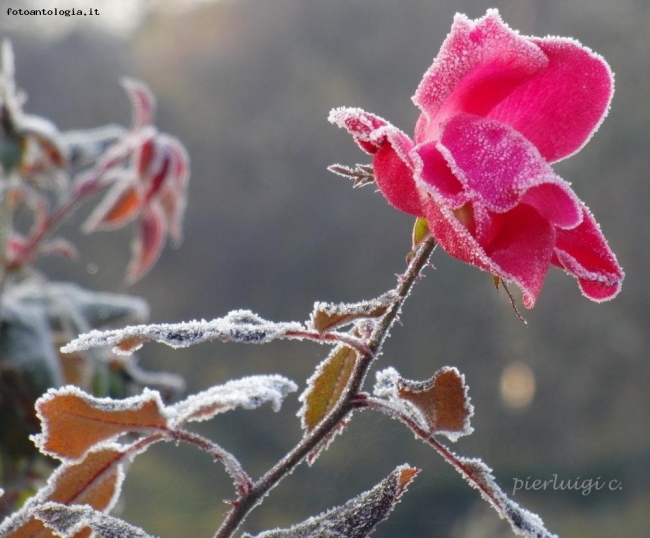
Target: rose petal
{"type": "Point", "coordinates": [479, 64]}
{"type": "Point", "coordinates": [520, 251]}
{"type": "Point", "coordinates": [583, 252]}
{"type": "Point", "coordinates": [362, 125]}
{"type": "Point", "coordinates": [498, 167]}
{"type": "Point", "coordinates": [433, 174]}
{"type": "Point", "coordinates": [393, 166]}
{"type": "Point", "coordinates": [523, 249]}
{"type": "Point", "coordinates": [562, 106]}
{"type": "Point", "coordinates": [556, 202]}
{"type": "Point", "coordinates": [395, 181]}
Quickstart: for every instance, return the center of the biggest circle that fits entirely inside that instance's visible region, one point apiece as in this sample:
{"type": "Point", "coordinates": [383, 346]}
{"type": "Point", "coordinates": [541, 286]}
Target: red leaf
{"type": "Point", "coordinates": [120, 206]}
{"type": "Point", "coordinates": [142, 102]}
{"type": "Point", "coordinates": [148, 243]}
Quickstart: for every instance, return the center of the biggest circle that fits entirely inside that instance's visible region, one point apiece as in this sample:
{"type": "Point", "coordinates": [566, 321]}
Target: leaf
{"type": "Point", "coordinates": [420, 232]}
{"type": "Point", "coordinates": [26, 345]}
{"type": "Point", "coordinates": [242, 326]}
{"type": "Point", "coordinates": [67, 521]}
{"type": "Point", "coordinates": [73, 421]}
{"type": "Point", "coordinates": [328, 316]}
{"type": "Point", "coordinates": [358, 517]}
{"type": "Point", "coordinates": [326, 441]}
{"type": "Point", "coordinates": [148, 242]}
{"type": "Point", "coordinates": [325, 386]}
{"type": "Point", "coordinates": [143, 103]}
{"type": "Point", "coordinates": [121, 205]}
{"type": "Point", "coordinates": [440, 405]}
{"type": "Point", "coordinates": [173, 199]}
{"type": "Point", "coordinates": [248, 393]}
{"type": "Point", "coordinates": [68, 304]}
{"type": "Point", "coordinates": [96, 481]}
{"type": "Point", "coordinates": [479, 476]}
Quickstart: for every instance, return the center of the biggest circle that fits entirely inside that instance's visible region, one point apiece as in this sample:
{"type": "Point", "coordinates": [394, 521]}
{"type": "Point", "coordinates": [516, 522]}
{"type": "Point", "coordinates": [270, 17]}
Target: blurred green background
{"type": "Point", "coordinates": [247, 85]}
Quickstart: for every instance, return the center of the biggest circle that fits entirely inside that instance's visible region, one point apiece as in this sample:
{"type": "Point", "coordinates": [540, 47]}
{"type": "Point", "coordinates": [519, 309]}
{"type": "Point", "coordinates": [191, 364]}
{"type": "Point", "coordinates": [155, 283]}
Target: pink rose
{"type": "Point", "coordinates": [497, 109]}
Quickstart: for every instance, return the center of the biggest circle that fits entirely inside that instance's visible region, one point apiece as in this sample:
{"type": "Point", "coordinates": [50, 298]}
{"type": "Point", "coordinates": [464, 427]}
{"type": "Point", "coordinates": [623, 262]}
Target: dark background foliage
{"type": "Point", "coordinates": [247, 85]}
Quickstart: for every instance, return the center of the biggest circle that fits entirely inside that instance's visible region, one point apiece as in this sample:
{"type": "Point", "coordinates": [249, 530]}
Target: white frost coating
{"type": "Point", "coordinates": [357, 517]}
{"type": "Point", "coordinates": [22, 516]}
{"type": "Point", "coordinates": [242, 326]}
{"type": "Point", "coordinates": [248, 393]}
{"type": "Point", "coordinates": [523, 522]}
{"type": "Point", "coordinates": [133, 403]}
{"type": "Point", "coordinates": [346, 313]}
{"type": "Point", "coordinates": [387, 387]}
{"type": "Point", "coordinates": [67, 521]}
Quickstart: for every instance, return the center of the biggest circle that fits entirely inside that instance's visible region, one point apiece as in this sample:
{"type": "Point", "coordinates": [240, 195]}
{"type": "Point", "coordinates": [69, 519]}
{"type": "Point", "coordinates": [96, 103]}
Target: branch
{"type": "Point", "coordinates": [246, 503]}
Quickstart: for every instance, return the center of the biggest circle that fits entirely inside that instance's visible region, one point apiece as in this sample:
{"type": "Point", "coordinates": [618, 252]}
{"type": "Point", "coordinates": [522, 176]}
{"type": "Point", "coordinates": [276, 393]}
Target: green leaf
{"type": "Point", "coordinates": [420, 232]}
{"type": "Point", "coordinates": [325, 387]}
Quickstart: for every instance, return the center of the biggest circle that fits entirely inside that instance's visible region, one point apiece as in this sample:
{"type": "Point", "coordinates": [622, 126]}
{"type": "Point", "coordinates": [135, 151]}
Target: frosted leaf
{"type": "Point", "coordinates": [67, 521]}
{"type": "Point", "coordinates": [67, 304]}
{"type": "Point", "coordinates": [241, 326]}
{"type": "Point", "coordinates": [248, 393]}
{"type": "Point", "coordinates": [358, 517]}
{"type": "Point", "coordinates": [440, 405]}
{"type": "Point", "coordinates": [325, 443]}
{"type": "Point", "coordinates": [326, 385]}
{"type": "Point", "coordinates": [523, 522]}
{"type": "Point", "coordinates": [26, 346]}
{"type": "Point", "coordinates": [143, 103]}
{"type": "Point", "coordinates": [85, 146]}
{"type": "Point", "coordinates": [329, 316]}
{"type": "Point", "coordinates": [96, 480]}
{"type": "Point", "coordinates": [73, 421]}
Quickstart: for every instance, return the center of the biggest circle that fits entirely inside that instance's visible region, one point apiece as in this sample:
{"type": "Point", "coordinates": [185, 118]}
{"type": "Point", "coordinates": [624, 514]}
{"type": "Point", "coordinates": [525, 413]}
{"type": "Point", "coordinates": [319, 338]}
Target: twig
{"type": "Point", "coordinates": [246, 503]}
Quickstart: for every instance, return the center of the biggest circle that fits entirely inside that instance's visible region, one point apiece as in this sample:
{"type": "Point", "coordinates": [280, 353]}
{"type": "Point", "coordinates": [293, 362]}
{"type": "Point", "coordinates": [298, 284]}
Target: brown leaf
{"type": "Point", "coordinates": [94, 481]}
{"type": "Point", "coordinates": [358, 517]}
{"type": "Point", "coordinates": [74, 421]}
{"type": "Point", "coordinates": [327, 316]}
{"type": "Point", "coordinates": [442, 401]}
{"type": "Point", "coordinates": [326, 386]}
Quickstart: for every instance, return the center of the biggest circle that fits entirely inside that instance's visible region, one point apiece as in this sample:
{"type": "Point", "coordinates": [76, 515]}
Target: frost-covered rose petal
{"type": "Point", "coordinates": [497, 108]}
{"type": "Point", "coordinates": [479, 64]}
{"type": "Point", "coordinates": [391, 148]}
